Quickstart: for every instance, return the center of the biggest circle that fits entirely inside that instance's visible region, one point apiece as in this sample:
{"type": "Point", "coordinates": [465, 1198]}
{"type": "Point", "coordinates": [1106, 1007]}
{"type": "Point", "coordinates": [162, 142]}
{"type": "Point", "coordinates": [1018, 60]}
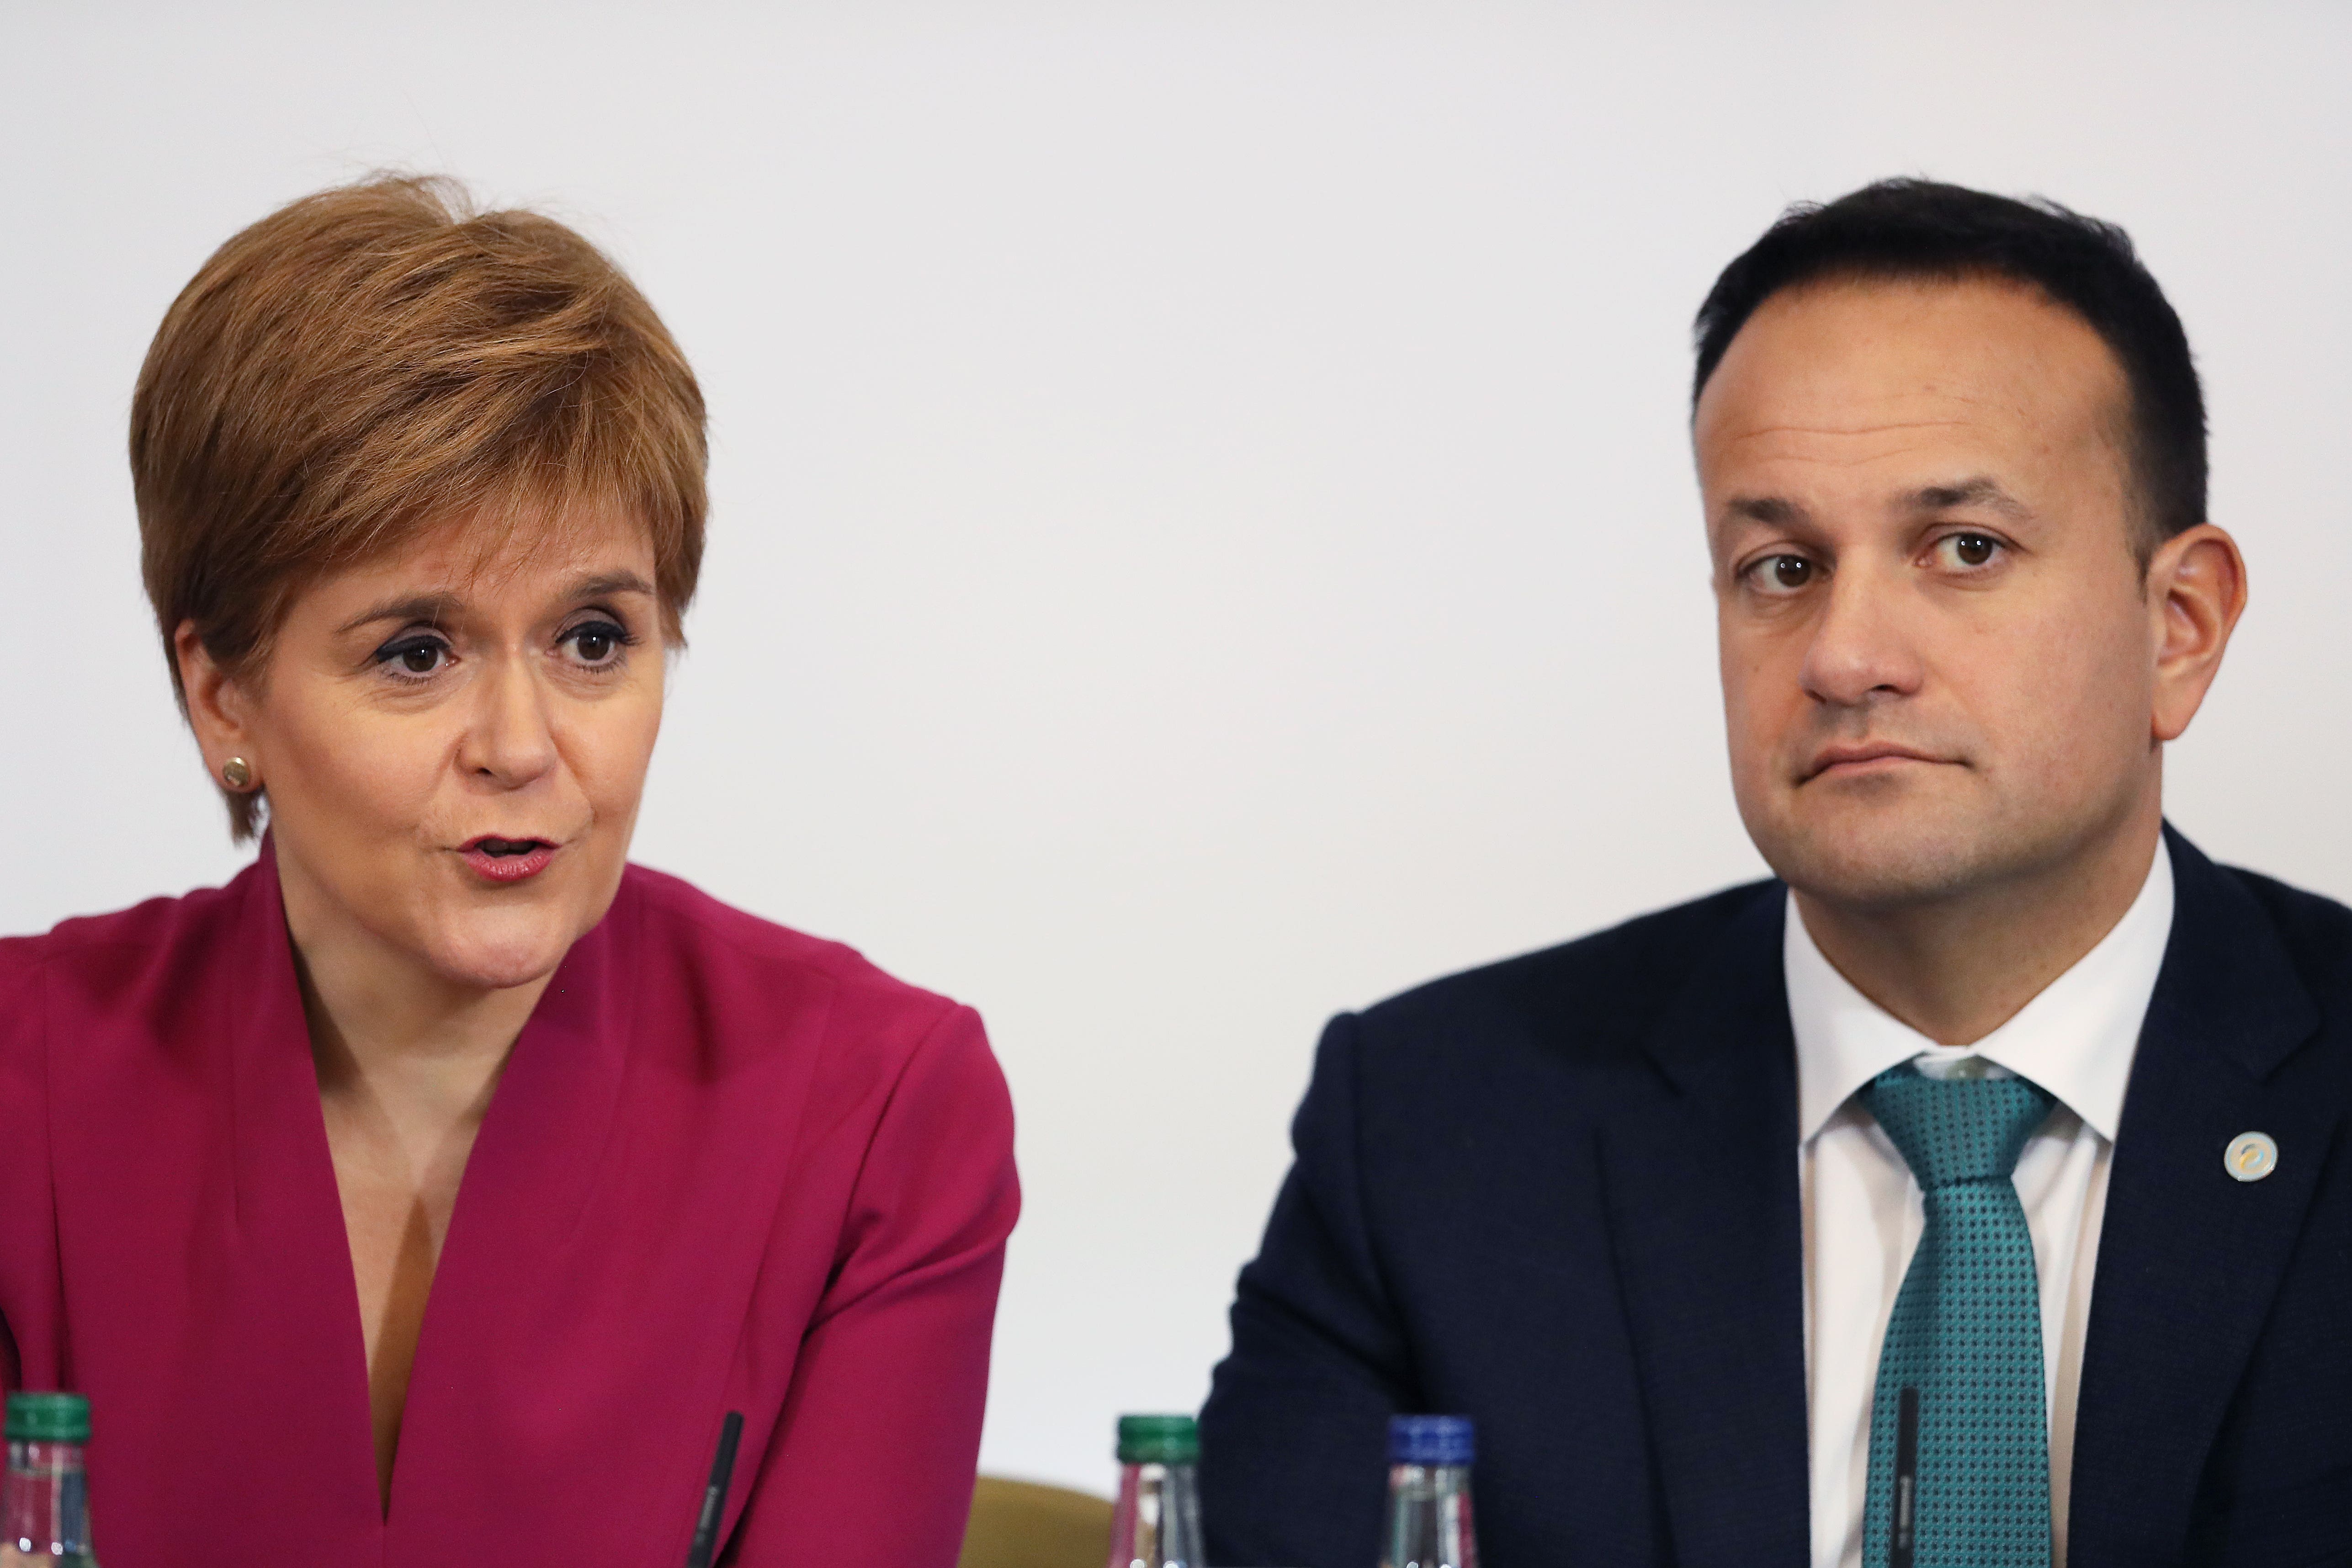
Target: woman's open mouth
{"type": "Point", "coordinates": [507, 859]}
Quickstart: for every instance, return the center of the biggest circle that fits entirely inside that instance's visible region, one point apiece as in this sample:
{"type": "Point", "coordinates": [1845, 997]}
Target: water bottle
{"type": "Point", "coordinates": [1429, 1493]}
{"type": "Point", "coordinates": [1159, 1520]}
{"type": "Point", "coordinates": [45, 1500]}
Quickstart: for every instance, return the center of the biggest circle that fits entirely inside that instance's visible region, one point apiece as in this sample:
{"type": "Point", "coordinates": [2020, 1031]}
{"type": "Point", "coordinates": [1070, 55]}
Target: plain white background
{"type": "Point", "coordinates": [1202, 533]}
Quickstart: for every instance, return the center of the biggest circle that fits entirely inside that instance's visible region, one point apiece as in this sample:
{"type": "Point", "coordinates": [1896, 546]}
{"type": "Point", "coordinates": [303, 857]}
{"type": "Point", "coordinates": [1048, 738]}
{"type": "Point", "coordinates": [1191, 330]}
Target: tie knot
{"type": "Point", "coordinates": [1957, 1129]}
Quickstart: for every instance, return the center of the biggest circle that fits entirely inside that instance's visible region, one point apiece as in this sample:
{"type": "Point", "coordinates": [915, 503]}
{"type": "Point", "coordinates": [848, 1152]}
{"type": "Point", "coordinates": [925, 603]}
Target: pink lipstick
{"type": "Point", "coordinates": [500, 859]}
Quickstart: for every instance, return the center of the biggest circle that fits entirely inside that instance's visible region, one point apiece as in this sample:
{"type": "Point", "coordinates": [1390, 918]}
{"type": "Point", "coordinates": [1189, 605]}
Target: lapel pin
{"type": "Point", "coordinates": [2251, 1157]}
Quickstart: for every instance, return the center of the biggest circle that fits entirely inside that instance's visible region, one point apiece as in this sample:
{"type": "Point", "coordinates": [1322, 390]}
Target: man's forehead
{"type": "Point", "coordinates": [1868, 359]}
{"type": "Point", "coordinates": [1856, 442]}
{"type": "Point", "coordinates": [1888, 387]}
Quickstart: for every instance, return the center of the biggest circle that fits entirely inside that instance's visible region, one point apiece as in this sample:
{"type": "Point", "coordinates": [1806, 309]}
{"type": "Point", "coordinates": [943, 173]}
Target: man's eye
{"type": "Point", "coordinates": [1782, 573]}
{"type": "Point", "coordinates": [1971, 549]}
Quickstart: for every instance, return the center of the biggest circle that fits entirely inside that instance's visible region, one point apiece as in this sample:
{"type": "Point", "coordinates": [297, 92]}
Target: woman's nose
{"type": "Point", "coordinates": [510, 740]}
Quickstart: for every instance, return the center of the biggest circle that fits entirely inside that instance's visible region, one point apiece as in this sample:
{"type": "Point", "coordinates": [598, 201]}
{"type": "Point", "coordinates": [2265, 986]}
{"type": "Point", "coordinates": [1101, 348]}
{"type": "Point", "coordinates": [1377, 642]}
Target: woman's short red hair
{"type": "Point", "coordinates": [378, 359]}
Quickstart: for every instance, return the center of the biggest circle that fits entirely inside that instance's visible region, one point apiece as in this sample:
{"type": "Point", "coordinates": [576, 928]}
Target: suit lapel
{"type": "Point", "coordinates": [2189, 1258]}
{"type": "Point", "coordinates": [1701, 1177]}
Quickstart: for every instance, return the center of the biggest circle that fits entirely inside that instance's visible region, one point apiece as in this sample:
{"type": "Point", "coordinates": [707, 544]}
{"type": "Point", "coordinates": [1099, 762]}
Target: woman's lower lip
{"type": "Point", "coordinates": [509, 868]}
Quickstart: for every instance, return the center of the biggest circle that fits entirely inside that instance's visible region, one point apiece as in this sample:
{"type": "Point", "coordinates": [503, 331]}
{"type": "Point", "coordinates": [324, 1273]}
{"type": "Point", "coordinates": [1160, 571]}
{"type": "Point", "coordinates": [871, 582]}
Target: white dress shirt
{"type": "Point", "coordinates": [1862, 1215]}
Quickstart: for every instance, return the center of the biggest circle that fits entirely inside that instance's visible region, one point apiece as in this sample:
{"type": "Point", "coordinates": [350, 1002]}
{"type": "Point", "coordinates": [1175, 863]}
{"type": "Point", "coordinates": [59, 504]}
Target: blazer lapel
{"type": "Point", "coordinates": [1702, 1186]}
{"type": "Point", "coordinates": [2189, 1258]}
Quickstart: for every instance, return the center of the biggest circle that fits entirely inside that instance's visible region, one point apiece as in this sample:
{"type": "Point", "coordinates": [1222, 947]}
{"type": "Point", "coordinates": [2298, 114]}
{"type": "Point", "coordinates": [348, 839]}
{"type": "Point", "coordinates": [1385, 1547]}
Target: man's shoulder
{"type": "Point", "coordinates": [2315, 930]}
{"type": "Point", "coordinates": [1594, 996]}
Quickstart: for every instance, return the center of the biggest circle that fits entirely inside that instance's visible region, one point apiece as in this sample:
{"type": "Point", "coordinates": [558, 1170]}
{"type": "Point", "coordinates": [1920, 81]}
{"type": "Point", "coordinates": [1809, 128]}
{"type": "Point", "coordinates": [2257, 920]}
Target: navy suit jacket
{"type": "Point", "coordinates": [1560, 1194]}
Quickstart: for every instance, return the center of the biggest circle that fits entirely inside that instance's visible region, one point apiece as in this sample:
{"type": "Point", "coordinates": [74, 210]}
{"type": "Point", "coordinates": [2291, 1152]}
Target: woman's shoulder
{"type": "Point", "coordinates": [730, 956]}
{"type": "Point", "coordinates": [893, 1081]}
{"type": "Point", "coordinates": [155, 933]}
{"type": "Point", "coordinates": [128, 975]}
{"type": "Point", "coordinates": [762, 1003]}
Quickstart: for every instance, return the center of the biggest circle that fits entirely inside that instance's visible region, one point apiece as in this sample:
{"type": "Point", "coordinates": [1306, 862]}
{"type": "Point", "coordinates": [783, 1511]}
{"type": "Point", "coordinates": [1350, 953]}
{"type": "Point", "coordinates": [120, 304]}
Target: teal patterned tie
{"type": "Point", "coordinates": [1959, 1455]}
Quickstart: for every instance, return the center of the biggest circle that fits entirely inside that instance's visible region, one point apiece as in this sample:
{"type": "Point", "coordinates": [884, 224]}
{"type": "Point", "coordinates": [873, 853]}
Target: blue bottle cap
{"type": "Point", "coordinates": [1430, 1440]}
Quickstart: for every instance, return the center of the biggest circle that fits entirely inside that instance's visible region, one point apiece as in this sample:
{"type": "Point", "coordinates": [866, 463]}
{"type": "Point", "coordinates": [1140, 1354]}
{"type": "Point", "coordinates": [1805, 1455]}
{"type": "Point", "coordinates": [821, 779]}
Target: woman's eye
{"type": "Point", "coordinates": [414, 656]}
{"type": "Point", "coordinates": [1782, 573]}
{"type": "Point", "coordinates": [598, 642]}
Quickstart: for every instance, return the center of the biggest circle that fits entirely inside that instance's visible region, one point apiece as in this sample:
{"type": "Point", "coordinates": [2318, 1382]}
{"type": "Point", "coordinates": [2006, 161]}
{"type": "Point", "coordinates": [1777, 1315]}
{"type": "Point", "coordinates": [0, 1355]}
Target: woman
{"type": "Point", "coordinates": [431, 1192]}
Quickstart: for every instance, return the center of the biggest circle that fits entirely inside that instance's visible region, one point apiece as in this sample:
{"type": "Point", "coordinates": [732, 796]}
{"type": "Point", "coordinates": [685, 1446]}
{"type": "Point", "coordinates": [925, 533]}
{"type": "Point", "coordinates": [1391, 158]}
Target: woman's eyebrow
{"type": "Point", "coordinates": [430, 608]}
{"type": "Point", "coordinates": [605, 583]}
{"type": "Point", "coordinates": [433, 609]}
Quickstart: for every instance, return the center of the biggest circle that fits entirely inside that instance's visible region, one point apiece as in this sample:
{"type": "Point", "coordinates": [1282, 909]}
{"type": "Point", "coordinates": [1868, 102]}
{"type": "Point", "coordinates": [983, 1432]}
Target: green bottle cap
{"type": "Point", "coordinates": [48, 1419]}
{"type": "Point", "coordinates": [1159, 1440]}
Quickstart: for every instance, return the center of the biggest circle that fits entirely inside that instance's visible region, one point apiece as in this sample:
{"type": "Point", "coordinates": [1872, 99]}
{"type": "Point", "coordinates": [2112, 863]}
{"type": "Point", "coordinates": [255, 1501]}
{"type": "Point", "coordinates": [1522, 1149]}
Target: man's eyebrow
{"type": "Point", "coordinates": [430, 608]}
{"type": "Point", "coordinates": [1983, 493]}
{"type": "Point", "coordinates": [1773, 512]}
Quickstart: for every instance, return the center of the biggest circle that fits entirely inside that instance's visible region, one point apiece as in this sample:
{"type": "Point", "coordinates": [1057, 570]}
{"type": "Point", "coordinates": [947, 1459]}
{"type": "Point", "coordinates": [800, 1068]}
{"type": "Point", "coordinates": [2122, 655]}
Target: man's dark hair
{"type": "Point", "coordinates": [1919, 228]}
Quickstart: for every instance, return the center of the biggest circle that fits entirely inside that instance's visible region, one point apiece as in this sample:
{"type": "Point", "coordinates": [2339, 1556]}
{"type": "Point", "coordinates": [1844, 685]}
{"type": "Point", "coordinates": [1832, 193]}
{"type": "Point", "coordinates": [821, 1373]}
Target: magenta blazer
{"type": "Point", "coordinates": [729, 1167]}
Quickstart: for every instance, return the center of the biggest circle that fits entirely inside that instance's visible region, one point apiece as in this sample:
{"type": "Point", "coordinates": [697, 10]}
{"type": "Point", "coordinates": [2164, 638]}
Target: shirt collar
{"type": "Point", "coordinates": [2075, 1039]}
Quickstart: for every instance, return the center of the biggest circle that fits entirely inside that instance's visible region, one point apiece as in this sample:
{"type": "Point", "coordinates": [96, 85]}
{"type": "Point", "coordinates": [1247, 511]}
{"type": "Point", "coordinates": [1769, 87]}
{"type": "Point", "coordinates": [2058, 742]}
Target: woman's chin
{"type": "Point", "coordinates": [477, 943]}
{"type": "Point", "coordinates": [498, 961]}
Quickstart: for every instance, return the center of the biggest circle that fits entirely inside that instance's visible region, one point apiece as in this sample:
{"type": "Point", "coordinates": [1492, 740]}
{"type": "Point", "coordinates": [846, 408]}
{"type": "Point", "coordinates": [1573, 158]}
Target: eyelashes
{"type": "Point", "coordinates": [598, 646]}
{"type": "Point", "coordinates": [412, 657]}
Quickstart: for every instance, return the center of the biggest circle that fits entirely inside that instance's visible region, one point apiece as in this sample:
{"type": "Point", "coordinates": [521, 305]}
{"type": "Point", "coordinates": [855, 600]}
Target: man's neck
{"type": "Point", "coordinates": [1957, 968]}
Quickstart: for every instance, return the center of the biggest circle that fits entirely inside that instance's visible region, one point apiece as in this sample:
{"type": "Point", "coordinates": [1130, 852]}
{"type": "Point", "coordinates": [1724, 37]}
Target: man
{"type": "Point", "coordinates": [1972, 1192]}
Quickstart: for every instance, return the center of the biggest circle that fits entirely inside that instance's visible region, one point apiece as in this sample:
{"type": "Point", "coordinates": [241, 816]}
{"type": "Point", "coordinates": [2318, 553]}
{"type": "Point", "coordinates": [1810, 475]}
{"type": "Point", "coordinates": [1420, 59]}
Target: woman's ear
{"type": "Point", "coordinates": [2196, 590]}
{"type": "Point", "coordinates": [216, 708]}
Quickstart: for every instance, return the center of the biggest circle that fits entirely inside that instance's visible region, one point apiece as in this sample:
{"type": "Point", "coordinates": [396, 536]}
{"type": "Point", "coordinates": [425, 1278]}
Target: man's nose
{"type": "Point", "coordinates": [510, 740]}
{"type": "Point", "coordinates": [1863, 649]}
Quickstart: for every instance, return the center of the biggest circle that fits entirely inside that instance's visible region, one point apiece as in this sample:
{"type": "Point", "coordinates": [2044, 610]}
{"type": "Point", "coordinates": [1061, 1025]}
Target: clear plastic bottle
{"type": "Point", "coordinates": [1159, 1520]}
{"type": "Point", "coordinates": [1429, 1493]}
{"type": "Point", "coordinates": [45, 1500]}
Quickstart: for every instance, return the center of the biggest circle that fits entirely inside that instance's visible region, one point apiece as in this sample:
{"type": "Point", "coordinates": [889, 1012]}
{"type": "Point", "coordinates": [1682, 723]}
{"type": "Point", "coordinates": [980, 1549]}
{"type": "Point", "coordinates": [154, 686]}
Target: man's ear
{"type": "Point", "coordinates": [2196, 589]}
{"type": "Point", "coordinates": [216, 707]}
